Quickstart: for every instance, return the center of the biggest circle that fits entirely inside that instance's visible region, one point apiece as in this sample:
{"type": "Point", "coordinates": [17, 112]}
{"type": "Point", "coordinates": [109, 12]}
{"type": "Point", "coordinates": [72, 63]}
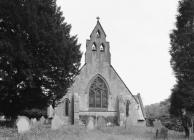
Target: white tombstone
{"type": "Point", "coordinates": [23, 124]}
{"type": "Point", "coordinates": [50, 111]}
{"type": "Point", "coordinates": [56, 122]}
{"type": "Point", "coordinates": [33, 121]}
{"type": "Point", "coordinates": [90, 124]}
{"type": "Point", "coordinates": [42, 120]}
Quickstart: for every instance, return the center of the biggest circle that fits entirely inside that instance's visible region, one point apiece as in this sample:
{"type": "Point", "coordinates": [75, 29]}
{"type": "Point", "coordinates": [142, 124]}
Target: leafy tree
{"type": "Point", "coordinates": [182, 58]}
{"type": "Point", "coordinates": [38, 56]}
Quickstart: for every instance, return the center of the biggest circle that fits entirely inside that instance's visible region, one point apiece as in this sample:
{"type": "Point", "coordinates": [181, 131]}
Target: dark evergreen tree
{"type": "Point", "coordinates": [182, 58]}
{"type": "Point", "coordinates": [38, 56]}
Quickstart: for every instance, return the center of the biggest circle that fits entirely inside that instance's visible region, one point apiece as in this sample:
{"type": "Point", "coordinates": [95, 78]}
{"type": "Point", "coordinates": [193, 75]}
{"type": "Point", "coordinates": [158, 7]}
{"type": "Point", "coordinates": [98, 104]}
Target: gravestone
{"type": "Point", "coordinates": [50, 112]}
{"type": "Point", "coordinates": [90, 124]}
{"type": "Point", "coordinates": [33, 121]}
{"type": "Point", "coordinates": [164, 132]}
{"type": "Point", "coordinates": [101, 122]}
{"type": "Point", "coordinates": [42, 120]}
{"type": "Point", "coordinates": [56, 123]}
{"type": "Point", "coordinates": [23, 124]}
{"type": "Point", "coordinates": [157, 127]}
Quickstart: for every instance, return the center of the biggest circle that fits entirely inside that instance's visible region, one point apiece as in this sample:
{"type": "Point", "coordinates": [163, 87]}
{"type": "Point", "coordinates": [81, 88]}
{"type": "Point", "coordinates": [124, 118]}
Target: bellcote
{"type": "Point", "coordinates": [97, 48]}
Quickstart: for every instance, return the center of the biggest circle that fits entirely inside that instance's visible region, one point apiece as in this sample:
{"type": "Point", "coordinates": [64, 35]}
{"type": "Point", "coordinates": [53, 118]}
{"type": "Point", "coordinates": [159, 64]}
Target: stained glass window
{"type": "Point", "coordinates": [98, 94]}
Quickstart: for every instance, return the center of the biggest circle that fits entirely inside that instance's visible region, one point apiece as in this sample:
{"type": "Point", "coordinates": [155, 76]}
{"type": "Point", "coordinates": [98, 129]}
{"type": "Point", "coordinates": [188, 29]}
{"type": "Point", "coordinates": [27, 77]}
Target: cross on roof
{"type": "Point", "coordinates": [98, 18]}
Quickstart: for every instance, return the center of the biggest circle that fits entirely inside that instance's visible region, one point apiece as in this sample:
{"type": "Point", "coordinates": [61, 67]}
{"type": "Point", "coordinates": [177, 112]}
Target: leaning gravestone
{"type": "Point", "coordinates": [90, 124]}
{"type": "Point", "coordinates": [56, 123]}
{"type": "Point", "coordinates": [101, 122]}
{"type": "Point", "coordinates": [23, 124]}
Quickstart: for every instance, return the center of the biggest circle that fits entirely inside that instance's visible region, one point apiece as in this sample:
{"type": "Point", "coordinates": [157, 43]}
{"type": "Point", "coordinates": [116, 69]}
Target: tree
{"type": "Point", "coordinates": [182, 58]}
{"type": "Point", "coordinates": [38, 56]}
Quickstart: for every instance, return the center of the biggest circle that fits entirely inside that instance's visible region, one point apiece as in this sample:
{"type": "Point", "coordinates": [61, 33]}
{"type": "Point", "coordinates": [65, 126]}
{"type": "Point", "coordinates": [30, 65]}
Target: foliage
{"type": "Point", "coordinates": [38, 56]}
{"type": "Point", "coordinates": [161, 111]}
{"type": "Point", "coordinates": [34, 113]}
{"type": "Point", "coordinates": [182, 58]}
{"type": "Point", "coordinates": [157, 110]}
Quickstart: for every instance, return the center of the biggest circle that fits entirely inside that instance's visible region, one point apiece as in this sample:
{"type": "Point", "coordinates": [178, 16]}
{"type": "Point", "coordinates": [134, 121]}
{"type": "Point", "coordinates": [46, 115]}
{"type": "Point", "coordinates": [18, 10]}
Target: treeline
{"type": "Point", "coordinates": [161, 111]}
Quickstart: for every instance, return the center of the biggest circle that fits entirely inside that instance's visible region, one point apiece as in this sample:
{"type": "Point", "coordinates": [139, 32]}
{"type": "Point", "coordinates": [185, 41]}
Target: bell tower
{"type": "Point", "coordinates": [97, 48]}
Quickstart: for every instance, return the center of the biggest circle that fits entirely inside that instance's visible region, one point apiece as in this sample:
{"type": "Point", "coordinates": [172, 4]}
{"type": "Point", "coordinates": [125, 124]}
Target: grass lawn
{"type": "Point", "coordinates": [81, 133]}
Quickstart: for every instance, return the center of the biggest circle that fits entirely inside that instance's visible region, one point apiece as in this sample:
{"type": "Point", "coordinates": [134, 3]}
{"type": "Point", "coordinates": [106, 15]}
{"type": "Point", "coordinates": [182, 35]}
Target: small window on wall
{"type": "Point", "coordinates": [94, 47]}
{"type": "Point", "coordinates": [98, 34]}
{"type": "Point", "coordinates": [102, 47]}
{"type": "Point", "coordinates": [127, 108]}
{"type": "Point", "coordinates": [67, 107]}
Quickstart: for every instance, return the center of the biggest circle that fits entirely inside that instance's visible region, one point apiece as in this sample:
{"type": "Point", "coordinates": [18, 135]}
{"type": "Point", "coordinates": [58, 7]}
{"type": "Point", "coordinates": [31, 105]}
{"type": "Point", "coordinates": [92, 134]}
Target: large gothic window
{"type": "Point", "coordinates": [98, 94]}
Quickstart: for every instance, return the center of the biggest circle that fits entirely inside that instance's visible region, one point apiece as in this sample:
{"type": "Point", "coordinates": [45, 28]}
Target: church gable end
{"type": "Point", "coordinates": [98, 90]}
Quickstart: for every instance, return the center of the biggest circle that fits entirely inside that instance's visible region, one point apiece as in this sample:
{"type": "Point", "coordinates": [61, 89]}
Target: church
{"type": "Point", "coordinates": [98, 91]}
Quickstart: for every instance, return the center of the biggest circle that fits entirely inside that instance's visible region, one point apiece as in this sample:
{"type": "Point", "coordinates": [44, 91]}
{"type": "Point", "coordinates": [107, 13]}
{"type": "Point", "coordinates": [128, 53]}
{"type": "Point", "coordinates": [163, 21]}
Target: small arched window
{"type": "Point", "coordinates": [98, 34]}
{"type": "Point", "coordinates": [98, 94]}
{"type": "Point", "coordinates": [94, 47]}
{"type": "Point", "coordinates": [102, 47]}
{"type": "Point", "coordinates": [127, 108]}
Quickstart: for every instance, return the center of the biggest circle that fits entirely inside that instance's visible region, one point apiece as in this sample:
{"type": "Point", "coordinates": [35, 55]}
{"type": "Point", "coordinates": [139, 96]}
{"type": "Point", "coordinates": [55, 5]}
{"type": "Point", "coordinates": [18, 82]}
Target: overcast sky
{"type": "Point", "coordinates": [138, 32]}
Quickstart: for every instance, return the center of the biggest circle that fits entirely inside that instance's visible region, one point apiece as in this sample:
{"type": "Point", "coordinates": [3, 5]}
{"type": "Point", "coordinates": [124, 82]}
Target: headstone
{"type": "Point", "coordinates": [42, 120]}
{"type": "Point", "coordinates": [2, 118]}
{"type": "Point", "coordinates": [23, 124]}
{"type": "Point", "coordinates": [157, 126]}
{"type": "Point", "coordinates": [164, 132]}
{"type": "Point", "coordinates": [50, 112]}
{"type": "Point", "coordinates": [56, 123]}
{"type": "Point", "coordinates": [33, 121]}
{"type": "Point", "coordinates": [101, 122]}
{"type": "Point", "coordinates": [90, 124]}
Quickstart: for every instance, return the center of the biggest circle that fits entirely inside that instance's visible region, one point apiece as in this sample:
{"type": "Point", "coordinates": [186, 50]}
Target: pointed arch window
{"type": "Point", "coordinates": [94, 47]}
{"type": "Point", "coordinates": [102, 47]}
{"type": "Point", "coordinates": [98, 34]}
{"type": "Point", "coordinates": [98, 94]}
{"type": "Point", "coordinates": [127, 108]}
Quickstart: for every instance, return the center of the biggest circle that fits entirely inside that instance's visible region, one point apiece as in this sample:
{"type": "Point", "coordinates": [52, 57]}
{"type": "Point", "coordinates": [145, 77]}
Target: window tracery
{"type": "Point", "coordinates": [98, 94]}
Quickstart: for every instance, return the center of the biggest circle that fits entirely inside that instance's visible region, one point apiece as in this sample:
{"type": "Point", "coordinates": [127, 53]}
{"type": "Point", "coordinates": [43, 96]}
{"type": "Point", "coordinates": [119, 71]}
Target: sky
{"type": "Point", "coordinates": [138, 32]}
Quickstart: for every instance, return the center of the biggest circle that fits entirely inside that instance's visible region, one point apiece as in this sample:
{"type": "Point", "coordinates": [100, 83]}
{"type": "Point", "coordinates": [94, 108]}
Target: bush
{"type": "Point", "coordinates": [34, 113]}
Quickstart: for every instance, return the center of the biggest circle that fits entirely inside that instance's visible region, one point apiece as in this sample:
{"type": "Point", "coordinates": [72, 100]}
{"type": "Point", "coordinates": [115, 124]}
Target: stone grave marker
{"type": "Point", "coordinates": [101, 122]}
{"type": "Point", "coordinates": [42, 120]}
{"type": "Point", "coordinates": [23, 124]}
{"type": "Point", "coordinates": [90, 124]}
{"type": "Point", "coordinates": [56, 123]}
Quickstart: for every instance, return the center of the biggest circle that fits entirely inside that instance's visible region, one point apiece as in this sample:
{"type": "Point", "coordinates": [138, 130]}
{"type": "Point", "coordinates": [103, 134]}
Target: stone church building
{"type": "Point", "coordinates": [98, 90]}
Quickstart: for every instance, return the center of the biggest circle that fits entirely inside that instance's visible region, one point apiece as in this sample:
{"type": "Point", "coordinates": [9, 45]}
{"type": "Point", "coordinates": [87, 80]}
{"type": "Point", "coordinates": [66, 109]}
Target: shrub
{"type": "Point", "coordinates": [34, 113]}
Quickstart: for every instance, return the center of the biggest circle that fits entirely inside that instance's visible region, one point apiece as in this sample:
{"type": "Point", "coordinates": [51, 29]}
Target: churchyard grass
{"type": "Point", "coordinates": [81, 133]}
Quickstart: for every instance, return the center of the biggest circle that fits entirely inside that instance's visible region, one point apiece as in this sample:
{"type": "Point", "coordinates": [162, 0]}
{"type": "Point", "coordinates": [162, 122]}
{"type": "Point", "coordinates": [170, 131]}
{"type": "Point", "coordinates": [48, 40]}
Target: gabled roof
{"type": "Point", "coordinates": [98, 26]}
{"type": "Point", "coordinates": [124, 84]}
